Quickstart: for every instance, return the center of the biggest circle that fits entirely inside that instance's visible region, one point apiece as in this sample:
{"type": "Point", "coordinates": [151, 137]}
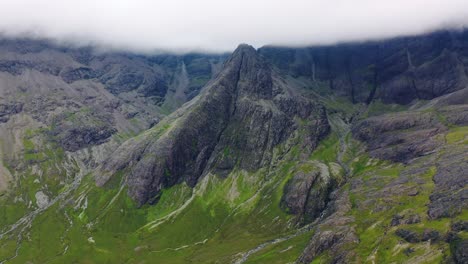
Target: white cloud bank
{"type": "Point", "coordinates": [220, 25]}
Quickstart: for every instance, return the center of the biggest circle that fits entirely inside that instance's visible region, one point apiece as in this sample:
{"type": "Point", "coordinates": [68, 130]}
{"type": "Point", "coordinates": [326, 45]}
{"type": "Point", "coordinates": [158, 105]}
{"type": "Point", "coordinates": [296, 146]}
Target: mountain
{"type": "Point", "coordinates": [236, 123]}
{"type": "Point", "coordinates": [352, 153]}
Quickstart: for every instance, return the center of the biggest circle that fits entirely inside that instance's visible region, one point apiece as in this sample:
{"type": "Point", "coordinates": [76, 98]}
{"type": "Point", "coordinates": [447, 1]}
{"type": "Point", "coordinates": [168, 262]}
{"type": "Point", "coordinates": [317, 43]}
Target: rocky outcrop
{"type": "Point", "coordinates": [406, 219]}
{"type": "Point", "coordinates": [460, 254]}
{"type": "Point", "coordinates": [405, 135]}
{"type": "Point", "coordinates": [449, 196]}
{"type": "Point", "coordinates": [459, 226]}
{"type": "Point", "coordinates": [334, 234]}
{"type": "Point", "coordinates": [76, 130]}
{"type": "Point", "coordinates": [400, 137]}
{"type": "Point", "coordinates": [415, 237]}
{"type": "Point", "coordinates": [306, 194]}
{"type": "Point", "coordinates": [9, 109]}
{"type": "Point", "coordinates": [81, 73]}
{"type": "Point", "coordinates": [237, 122]}
{"type": "Point", "coordinates": [457, 98]}
{"type": "Point", "coordinates": [17, 67]}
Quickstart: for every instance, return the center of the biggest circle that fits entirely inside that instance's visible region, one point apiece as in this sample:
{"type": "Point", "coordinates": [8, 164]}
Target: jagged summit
{"type": "Point", "coordinates": [244, 50]}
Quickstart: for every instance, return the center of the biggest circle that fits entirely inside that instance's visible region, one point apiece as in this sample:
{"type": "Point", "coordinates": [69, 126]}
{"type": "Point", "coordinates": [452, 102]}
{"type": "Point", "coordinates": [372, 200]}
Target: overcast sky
{"type": "Point", "coordinates": [220, 25]}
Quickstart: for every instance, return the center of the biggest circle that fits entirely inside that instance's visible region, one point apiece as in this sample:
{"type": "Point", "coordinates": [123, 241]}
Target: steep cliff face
{"type": "Point", "coordinates": [396, 71]}
{"type": "Point", "coordinates": [239, 119]}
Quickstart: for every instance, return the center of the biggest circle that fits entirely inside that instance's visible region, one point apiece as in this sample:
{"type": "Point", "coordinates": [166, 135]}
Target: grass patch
{"type": "Point", "coordinates": [457, 135]}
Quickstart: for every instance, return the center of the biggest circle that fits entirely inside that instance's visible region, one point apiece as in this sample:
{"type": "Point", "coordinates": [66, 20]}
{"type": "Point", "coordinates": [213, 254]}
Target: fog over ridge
{"type": "Point", "coordinates": [217, 26]}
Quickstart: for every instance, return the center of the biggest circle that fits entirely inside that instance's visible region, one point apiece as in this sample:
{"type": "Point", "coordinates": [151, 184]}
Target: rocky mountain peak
{"type": "Point", "coordinates": [244, 49]}
{"type": "Point", "coordinates": [250, 73]}
{"type": "Point", "coordinates": [236, 122]}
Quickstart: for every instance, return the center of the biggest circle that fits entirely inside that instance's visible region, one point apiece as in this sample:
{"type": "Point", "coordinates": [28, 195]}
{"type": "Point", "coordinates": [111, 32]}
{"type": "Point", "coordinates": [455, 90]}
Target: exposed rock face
{"type": "Point", "coordinates": [400, 137]}
{"type": "Point", "coordinates": [133, 77]}
{"type": "Point", "coordinates": [18, 67]}
{"type": "Point", "coordinates": [81, 73]}
{"type": "Point", "coordinates": [459, 226]}
{"type": "Point", "coordinates": [396, 71]}
{"type": "Point", "coordinates": [404, 136]}
{"type": "Point", "coordinates": [414, 237]}
{"type": "Point", "coordinates": [237, 121]}
{"type": "Point", "coordinates": [335, 234]}
{"type": "Point", "coordinates": [297, 191]}
{"type": "Point", "coordinates": [307, 193]}
{"type": "Point", "coordinates": [458, 98]}
{"type": "Point", "coordinates": [449, 196]}
{"type": "Point", "coordinates": [8, 109]}
{"type": "Point", "coordinates": [76, 130]}
{"type": "Point", "coordinates": [405, 219]}
{"type": "Point", "coordinates": [461, 252]}
{"type": "Point", "coordinates": [42, 200]}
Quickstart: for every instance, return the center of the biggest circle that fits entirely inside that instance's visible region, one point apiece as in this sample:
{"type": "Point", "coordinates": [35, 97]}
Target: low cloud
{"type": "Point", "coordinates": [217, 25]}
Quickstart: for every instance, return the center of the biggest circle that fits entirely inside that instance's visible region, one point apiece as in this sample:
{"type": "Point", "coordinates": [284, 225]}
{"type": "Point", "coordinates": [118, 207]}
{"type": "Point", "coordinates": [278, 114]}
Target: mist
{"type": "Point", "coordinates": [219, 26]}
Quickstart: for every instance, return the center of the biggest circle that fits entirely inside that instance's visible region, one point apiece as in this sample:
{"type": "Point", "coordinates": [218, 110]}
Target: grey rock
{"type": "Point", "coordinates": [459, 226]}
{"type": "Point", "coordinates": [81, 73]}
{"type": "Point", "coordinates": [449, 197]}
{"type": "Point", "coordinates": [400, 137]}
{"type": "Point", "coordinates": [321, 243]}
{"type": "Point", "coordinates": [460, 253]}
{"type": "Point", "coordinates": [334, 234]}
{"type": "Point", "coordinates": [76, 130]}
{"type": "Point", "coordinates": [405, 219]}
{"type": "Point", "coordinates": [8, 109]}
{"type": "Point", "coordinates": [408, 235]}
{"type": "Point", "coordinates": [42, 200]}
{"type": "Point", "coordinates": [307, 195]}
{"type": "Point", "coordinates": [414, 237]}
